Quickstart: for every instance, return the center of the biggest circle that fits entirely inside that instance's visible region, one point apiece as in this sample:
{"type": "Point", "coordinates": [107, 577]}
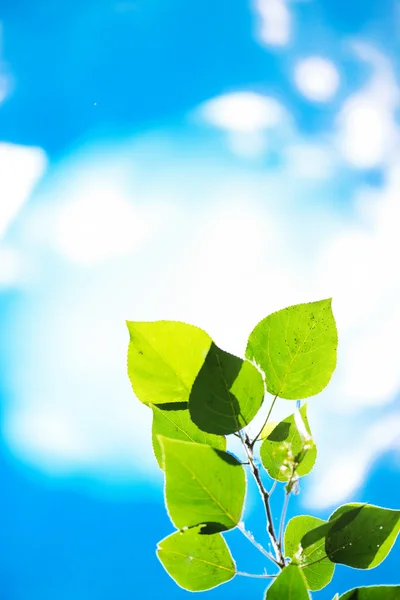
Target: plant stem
{"type": "Point", "coordinates": [256, 544]}
{"type": "Point", "coordinates": [265, 497]}
{"type": "Point", "coordinates": [283, 518]}
{"type": "Point", "coordinates": [255, 576]}
{"type": "Point", "coordinates": [272, 488]}
{"type": "Point", "coordinates": [265, 422]}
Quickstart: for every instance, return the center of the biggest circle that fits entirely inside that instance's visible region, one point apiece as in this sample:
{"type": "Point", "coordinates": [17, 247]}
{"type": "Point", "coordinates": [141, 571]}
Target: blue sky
{"type": "Point", "coordinates": [207, 162]}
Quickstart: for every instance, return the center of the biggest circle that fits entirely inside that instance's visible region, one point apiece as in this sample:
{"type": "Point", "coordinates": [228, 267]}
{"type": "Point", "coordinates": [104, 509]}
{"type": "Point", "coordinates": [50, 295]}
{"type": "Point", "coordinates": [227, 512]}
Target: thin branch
{"type": "Point", "coordinates": [283, 518]}
{"type": "Point", "coordinates": [256, 544]}
{"type": "Point", "coordinates": [273, 488]}
{"type": "Point", "coordinates": [265, 497]}
{"type": "Point", "coordinates": [265, 422]}
{"type": "Point", "coordinates": [256, 576]}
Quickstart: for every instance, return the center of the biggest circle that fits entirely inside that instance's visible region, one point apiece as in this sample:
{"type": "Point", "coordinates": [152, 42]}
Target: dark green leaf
{"type": "Point", "coordinates": [285, 453]}
{"type": "Point", "coordinates": [296, 349]}
{"type": "Point", "coordinates": [289, 585]}
{"type": "Point", "coordinates": [196, 562]}
{"type": "Point", "coordinates": [378, 592]}
{"type": "Point", "coordinates": [357, 535]}
{"type": "Point", "coordinates": [173, 421]}
{"type": "Point", "coordinates": [203, 485]}
{"type": "Point", "coordinates": [164, 359]}
{"type": "Point", "coordinates": [227, 393]}
{"type": "Point", "coordinates": [320, 573]}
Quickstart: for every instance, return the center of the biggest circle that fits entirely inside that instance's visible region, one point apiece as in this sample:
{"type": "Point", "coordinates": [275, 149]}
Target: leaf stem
{"type": "Point", "coordinates": [272, 488]}
{"type": "Point", "coordinates": [283, 519]}
{"type": "Point", "coordinates": [265, 422]}
{"type": "Point", "coordinates": [266, 576]}
{"type": "Point", "coordinates": [265, 497]}
{"type": "Point", "coordinates": [251, 539]}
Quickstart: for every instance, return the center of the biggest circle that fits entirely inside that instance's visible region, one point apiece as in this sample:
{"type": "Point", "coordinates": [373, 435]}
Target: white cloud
{"type": "Point", "coordinates": [274, 27]}
{"type": "Point", "coordinates": [233, 246]}
{"type": "Point", "coordinates": [242, 112]}
{"type": "Point", "coordinates": [11, 267]}
{"type": "Point", "coordinates": [317, 78]}
{"type": "Point", "coordinates": [368, 133]}
{"type": "Point", "coordinates": [359, 266]}
{"type": "Point", "coordinates": [310, 160]}
{"type": "Point", "coordinates": [246, 118]}
{"type": "Point", "coordinates": [349, 468]}
{"type": "Point", "coordinates": [101, 222]}
{"type": "Point", "coordinates": [20, 169]}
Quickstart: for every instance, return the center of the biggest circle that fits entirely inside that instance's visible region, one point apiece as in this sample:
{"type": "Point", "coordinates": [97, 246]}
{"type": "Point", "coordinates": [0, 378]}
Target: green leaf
{"type": "Point", "coordinates": [196, 562]}
{"type": "Point", "coordinates": [164, 359]}
{"type": "Point", "coordinates": [227, 393]}
{"type": "Point", "coordinates": [378, 592]}
{"type": "Point", "coordinates": [285, 454]}
{"type": "Point", "coordinates": [203, 485]}
{"type": "Point", "coordinates": [296, 349]}
{"type": "Point", "coordinates": [320, 573]}
{"type": "Point", "coordinates": [357, 535]}
{"type": "Point", "coordinates": [289, 585]}
{"type": "Point", "coordinates": [173, 421]}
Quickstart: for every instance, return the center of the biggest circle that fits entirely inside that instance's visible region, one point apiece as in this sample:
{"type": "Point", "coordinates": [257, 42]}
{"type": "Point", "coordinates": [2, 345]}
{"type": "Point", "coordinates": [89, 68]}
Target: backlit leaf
{"type": "Point", "coordinates": [296, 349]}
{"type": "Point", "coordinates": [203, 485]}
{"type": "Point", "coordinates": [320, 573]}
{"type": "Point", "coordinates": [227, 393]}
{"type": "Point", "coordinates": [164, 359]}
{"type": "Point", "coordinates": [378, 592]}
{"type": "Point", "coordinates": [196, 562]}
{"type": "Point", "coordinates": [173, 421]}
{"type": "Point", "coordinates": [285, 453]}
{"type": "Point", "coordinates": [289, 585]}
{"type": "Point", "coordinates": [357, 535]}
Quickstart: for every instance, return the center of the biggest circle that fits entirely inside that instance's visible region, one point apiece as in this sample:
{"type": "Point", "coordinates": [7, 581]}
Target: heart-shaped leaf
{"type": "Point", "coordinates": [196, 562]}
{"type": "Point", "coordinates": [203, 485]}
{"type": "Point", "coordinates": [321, 572]}
{"type": "Point", "coordinates": [296, 349]}
{"type": "Point", "coordinates": [164, 359]}
{"type": "Point", "coordinates": [227, 393]}
{"type": "Point", "coordinates": [357, 535]}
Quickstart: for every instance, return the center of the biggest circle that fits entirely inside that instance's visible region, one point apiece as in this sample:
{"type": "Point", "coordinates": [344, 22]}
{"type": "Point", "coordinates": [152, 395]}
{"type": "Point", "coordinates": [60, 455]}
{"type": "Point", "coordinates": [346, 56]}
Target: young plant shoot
{"type": "Point", "coordinates": [200, 395]}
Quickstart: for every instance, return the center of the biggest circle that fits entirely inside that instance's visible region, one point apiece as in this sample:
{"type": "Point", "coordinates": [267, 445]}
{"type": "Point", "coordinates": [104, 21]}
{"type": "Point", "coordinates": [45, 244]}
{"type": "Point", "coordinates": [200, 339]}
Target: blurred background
{"type": "Point", "coordinates": [207, 161]}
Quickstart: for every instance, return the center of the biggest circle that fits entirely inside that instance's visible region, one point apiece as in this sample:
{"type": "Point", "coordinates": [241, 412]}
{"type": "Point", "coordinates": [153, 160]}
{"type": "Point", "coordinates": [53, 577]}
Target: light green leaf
{"type": "Point", "coordinates": [227, 393]}
{"type": "Point", "coordinates": [289, 585]}
{"type": "Point", "coordinates": [203, 485]}
{"type": "Point", "coordinates": [378, 592]}
{"type": "Point", "coordinates": [357, 535]}
{"type": "Point", "coordinates": [173, 421]}
{"type": "Point", "coordinates": [196, 562]}
{"type": "Point", "coordinates": [320, 573]}
{"type": "Point", "coordinates": [296, 349]}
{"type": "Point", "coordinates": [164, 359]}
{"type": "Point", "coordinates": [336, 597]}
{"type": "Point", "coordinates": [285, 454]}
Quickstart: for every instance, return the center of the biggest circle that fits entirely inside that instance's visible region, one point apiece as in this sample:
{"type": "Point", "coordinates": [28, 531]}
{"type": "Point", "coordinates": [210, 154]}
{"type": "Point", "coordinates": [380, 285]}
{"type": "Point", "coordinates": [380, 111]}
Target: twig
{"type": "Point", "coordinates": [265, 497]}
{"type": "Point", "coordinates": [273, 488]}
{"type": "Point", "coordinates": [256, 544]}
{"type": "Point", "coordinates": [255, 576]}
{"type": "Point", "coordinates": [283, 518]}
